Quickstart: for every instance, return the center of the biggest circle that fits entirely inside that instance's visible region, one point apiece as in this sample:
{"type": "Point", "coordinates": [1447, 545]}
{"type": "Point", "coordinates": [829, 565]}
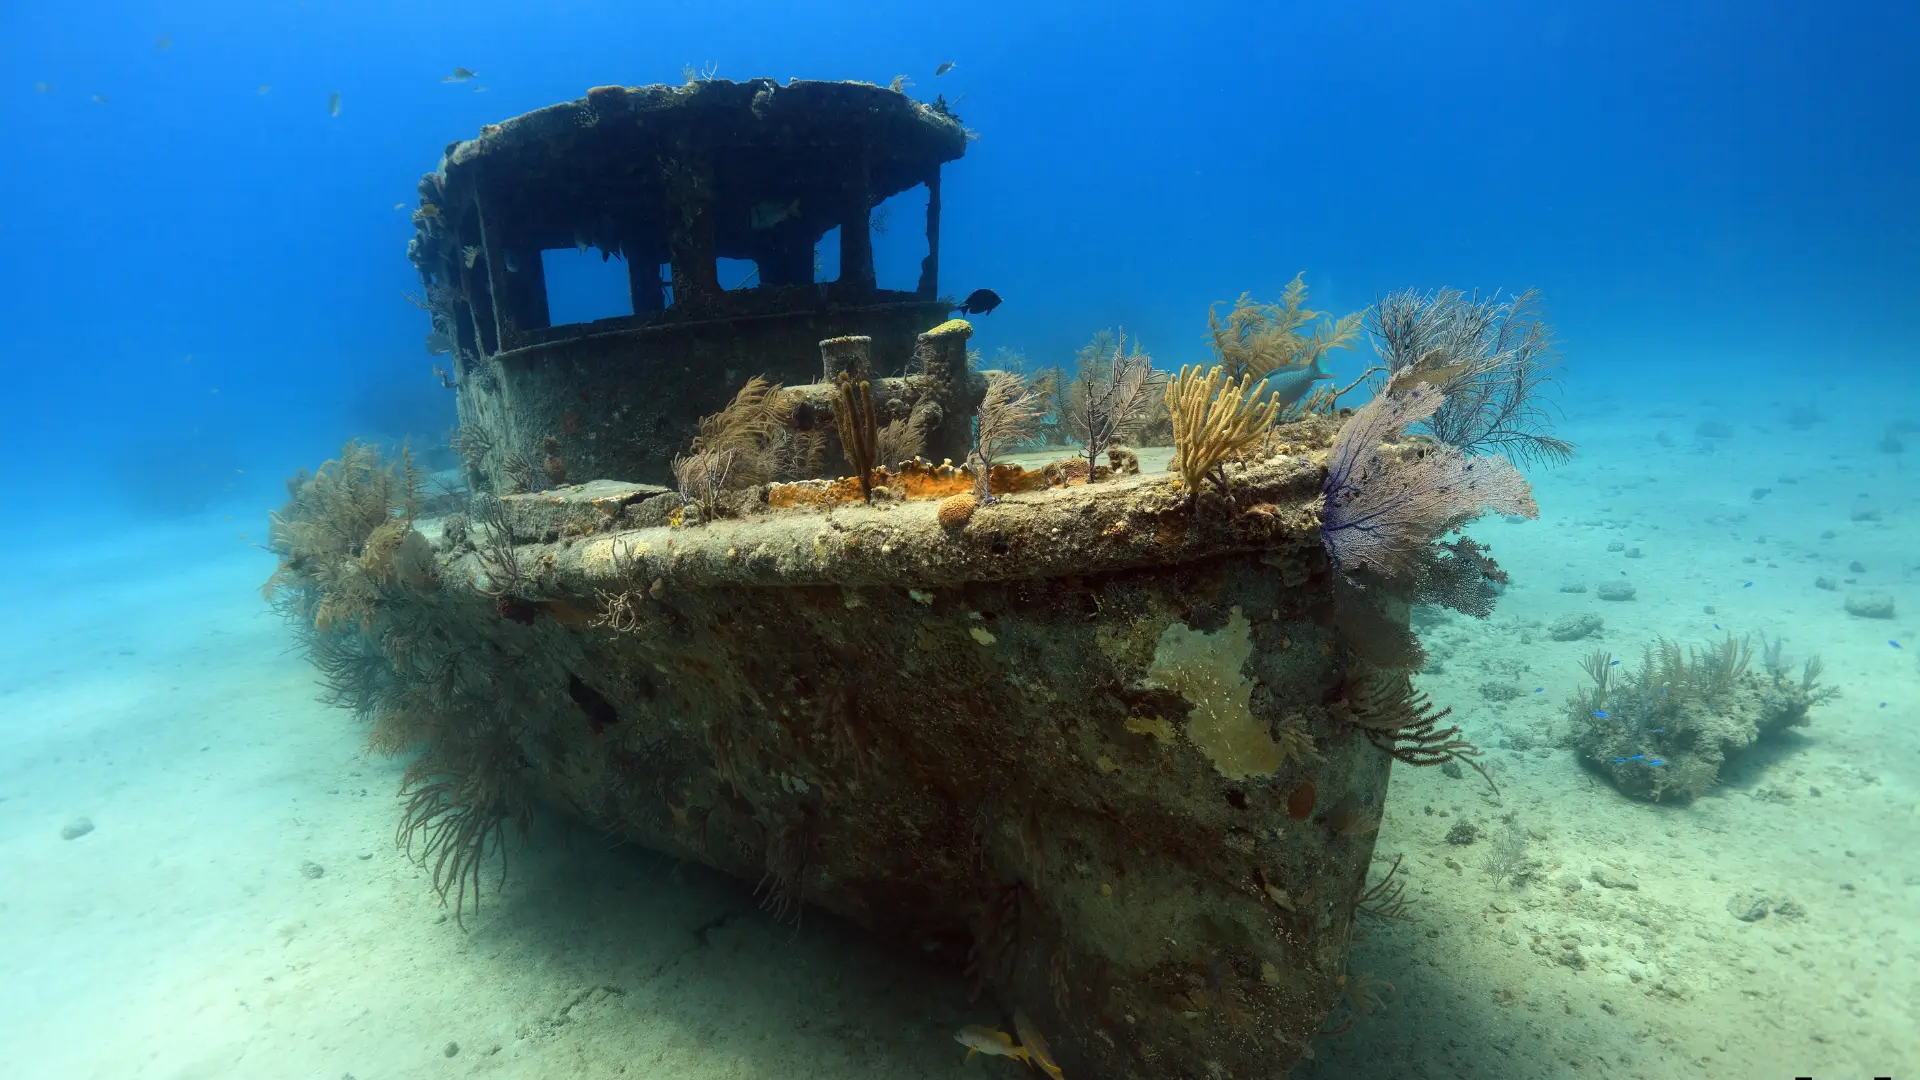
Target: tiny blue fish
{"type": "Point", "coordinates": [1619, 761]}
{"type": "Point", "coordinates": [1539, 689]}
{"type": "Point", "coordinates": [1613, 663]}
{"type": "Point", "coordinates": [1748, 585]}
{"type": "Point", "coordinates": [1656, 761]}
{"type": "Point", "coordinates": [1893, 643]}
{"type": "Point", "coordinates": [1663, 693]}
{"type": "Point", "coordinates": [1636, 757]}
{"type": "Point", "coordinates": [1659, 731]}
{"type": "Point", "coordinates": [1716, 626]}
{"type": "Point", "coordinates": [1601, 713]}
{"type": "Point", "coordinates": [1883, 704]}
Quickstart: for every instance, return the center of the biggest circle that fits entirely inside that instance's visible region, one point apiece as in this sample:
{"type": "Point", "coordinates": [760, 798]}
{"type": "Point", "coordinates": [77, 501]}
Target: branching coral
{"type": "Point", "coordinates": [1403, 723]}
{"type": "Point", "coordinates": [738, 447]}
{"type": "Point", "coordinates": [1386, 898]}
{"type": "Point", "coordinates": [1666, 727]}
{"type": "Point", "coordinates": [902, 439]}
{"type": "Point", "coordinates": [859, 430]}
{"type": "Point", "coordinates": [341, 534]}
{"type": "Point", "coordinates": [461, 793]}
{"type": "Point", "coordinates": [1109, 405]}
{"type": "Point", "coordinates": [1215, 418]}
{"type": "Point", "coordinates": [1006, 416]}
{"type": "Point", "coordinates": [1259, 339]}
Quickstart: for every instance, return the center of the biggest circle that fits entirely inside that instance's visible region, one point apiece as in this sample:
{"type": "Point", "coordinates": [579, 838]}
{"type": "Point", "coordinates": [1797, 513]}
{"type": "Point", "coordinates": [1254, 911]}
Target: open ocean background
{"type": "Point", "coordinates": [201, 279]}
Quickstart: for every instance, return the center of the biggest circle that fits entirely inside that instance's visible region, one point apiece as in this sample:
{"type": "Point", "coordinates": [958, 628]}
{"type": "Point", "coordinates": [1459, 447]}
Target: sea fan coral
{"type": "Point", "coordinates": [1383, 511]}
{"type": "Point", "coordinates": [1492, 359]}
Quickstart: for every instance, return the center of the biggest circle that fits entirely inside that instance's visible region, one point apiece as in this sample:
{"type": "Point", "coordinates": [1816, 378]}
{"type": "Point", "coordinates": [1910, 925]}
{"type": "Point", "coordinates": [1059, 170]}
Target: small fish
{"type": "Point", "coordinates": [1613, 663]}
{"type": "Point", "coordinates": [512, 264]}
{"type": "Point", "coordinates": [461, 74]}
{"type": "Point", "coordinates": [428, 210]}
{"type": "Point", "coordinates": [1893, 643]}
{"type": "Point", "coordinates": [471, 254]}
{"type": "Point", "coordinates": [1619, 761]}
{"type": "Point", "coordinates": [262, 88]}
{"type": "Point", "coordinates": [1659, 731]}
{"type": "Point", "coordinates": [945, 66]}
{"type": "Point", "coordinates": [1037, 1052]}
{"type": "Point", "coordinates": [1539, 689]}
{"type": "Point", "coordinates": [164, 44]}
{"type": "Point", "coordinates": [768, 214]}
{"type": "Point", "coordinates": [989, 1041]}
{"type": "Point", "coordinates": [1636, 757]}
{"type": "Point", "coordinates": [333, 103]}
{"type": "Point", "coordinates": [42, 87]}
{"type": "Point", "coordinates": [1601, 713]}
{"type": "Point", "coordinates": [98, 99]}
{"type": "Point", "coordinates": [979, 302]}
{"type": "Point", "coordinates": [1716, 626]}
{"type": "Point", "coordinates": [399, 206]}
{"type": "Point", "coordinates": [1656, 761]}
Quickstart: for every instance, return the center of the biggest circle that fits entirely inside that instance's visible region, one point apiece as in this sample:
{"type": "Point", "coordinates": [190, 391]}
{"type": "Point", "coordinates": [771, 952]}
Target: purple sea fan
{"type": "Point", "coordinates": [1383, 511]}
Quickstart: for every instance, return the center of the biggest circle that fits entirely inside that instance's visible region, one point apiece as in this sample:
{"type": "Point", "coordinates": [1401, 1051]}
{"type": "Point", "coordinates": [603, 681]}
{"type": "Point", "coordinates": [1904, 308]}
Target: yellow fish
{"type": "Point", "coordinates": [996, 1043]}
{"type": "Point", "coordinates": [989, 1041]}
{"type": "Point", "coordinates": [1038, 1054]}
{"type": "Point", "coordinates": [333, 103]}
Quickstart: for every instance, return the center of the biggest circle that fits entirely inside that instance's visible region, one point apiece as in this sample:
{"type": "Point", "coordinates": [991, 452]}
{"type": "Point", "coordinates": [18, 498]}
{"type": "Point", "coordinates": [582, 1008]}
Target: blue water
{"type": "Point", "coordinates": [202, 274]}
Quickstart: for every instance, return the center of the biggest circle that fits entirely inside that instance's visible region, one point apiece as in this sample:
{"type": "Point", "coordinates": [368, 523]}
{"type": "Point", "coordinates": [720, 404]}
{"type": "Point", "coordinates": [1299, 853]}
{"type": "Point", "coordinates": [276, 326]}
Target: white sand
{"type": "Point", "coordinates": [146, 687]}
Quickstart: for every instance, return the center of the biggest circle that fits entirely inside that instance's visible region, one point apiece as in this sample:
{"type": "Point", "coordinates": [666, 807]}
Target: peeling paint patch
{"type": "Point", "coordinates": [1205, 669]}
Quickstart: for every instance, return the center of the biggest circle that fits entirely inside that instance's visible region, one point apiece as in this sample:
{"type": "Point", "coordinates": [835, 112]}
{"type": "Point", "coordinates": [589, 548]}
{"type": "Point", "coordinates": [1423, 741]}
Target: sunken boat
{"type": "Point", "coordinates": [1093, 740]}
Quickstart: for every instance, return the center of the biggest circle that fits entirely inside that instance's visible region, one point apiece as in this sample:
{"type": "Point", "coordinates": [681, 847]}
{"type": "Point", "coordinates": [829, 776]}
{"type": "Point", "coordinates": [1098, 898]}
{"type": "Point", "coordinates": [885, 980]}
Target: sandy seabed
{"type": "Point", "coordinates": [238, 907]}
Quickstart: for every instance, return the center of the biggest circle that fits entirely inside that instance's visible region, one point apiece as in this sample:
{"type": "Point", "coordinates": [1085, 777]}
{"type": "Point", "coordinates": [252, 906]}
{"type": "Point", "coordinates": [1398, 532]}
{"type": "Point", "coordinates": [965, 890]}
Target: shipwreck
{"type": "Point", "coordinates": [1112, 745]}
